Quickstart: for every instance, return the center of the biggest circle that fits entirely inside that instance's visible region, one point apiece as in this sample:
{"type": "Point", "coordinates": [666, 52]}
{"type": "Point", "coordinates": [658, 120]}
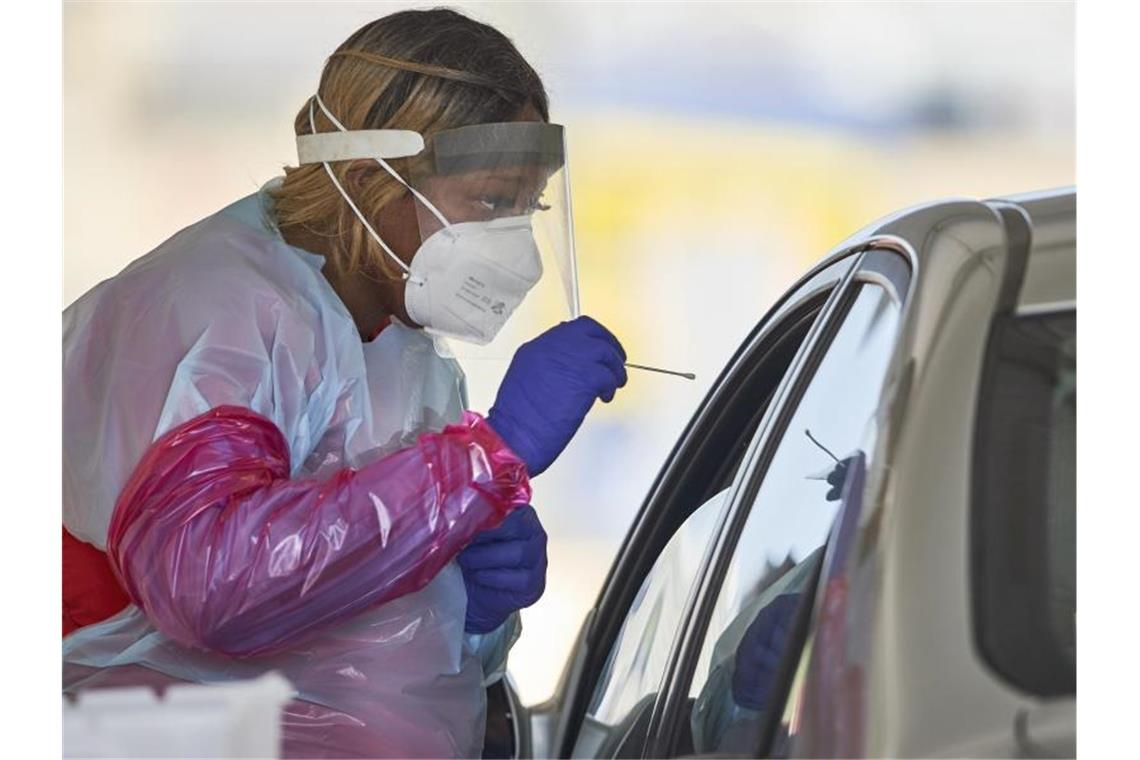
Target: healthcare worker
{"type": "Point", "coordinates": [268, 459]}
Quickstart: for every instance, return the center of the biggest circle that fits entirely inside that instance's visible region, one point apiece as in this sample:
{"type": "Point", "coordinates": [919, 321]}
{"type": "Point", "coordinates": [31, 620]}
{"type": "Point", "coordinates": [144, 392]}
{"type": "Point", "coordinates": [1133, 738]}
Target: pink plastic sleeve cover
{"type": "Point", "coordinates": [224, 552]}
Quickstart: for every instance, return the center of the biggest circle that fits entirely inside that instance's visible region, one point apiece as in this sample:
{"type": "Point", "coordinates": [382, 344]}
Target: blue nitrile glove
{"type": "Point", "coordinates": [759, 652]}
{"type": "Point", "coordinates": [550, 386]}
{"type": "Point", "coordinates": [504, 570]}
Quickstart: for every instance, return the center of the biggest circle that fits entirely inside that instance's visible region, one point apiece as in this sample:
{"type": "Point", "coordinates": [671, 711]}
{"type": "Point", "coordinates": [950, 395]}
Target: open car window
{"type": "Point", "coordinates": [776, 559]}
{"type": "Point", "coordinates": [622, 698]}
{"type": "Point", "coordinates": [637, 661]}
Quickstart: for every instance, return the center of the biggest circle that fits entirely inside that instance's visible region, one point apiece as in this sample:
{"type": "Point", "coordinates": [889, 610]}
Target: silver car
{"type": "Point", "coordinates": [864, 542]}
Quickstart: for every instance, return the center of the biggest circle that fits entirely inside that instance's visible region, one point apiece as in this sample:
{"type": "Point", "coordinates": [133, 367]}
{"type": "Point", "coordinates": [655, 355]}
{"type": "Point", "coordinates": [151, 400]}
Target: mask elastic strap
{"type": "Point", "coordinates": [422, 198]}
{"type": "Point", "coordinates": [348, 199]}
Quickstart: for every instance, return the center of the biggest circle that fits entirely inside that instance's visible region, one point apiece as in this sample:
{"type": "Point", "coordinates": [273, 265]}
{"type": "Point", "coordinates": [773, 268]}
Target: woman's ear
{"type": "Point", "coordinates": [400, 221]}
{"type": "Point", "coordinates": [360, 172]}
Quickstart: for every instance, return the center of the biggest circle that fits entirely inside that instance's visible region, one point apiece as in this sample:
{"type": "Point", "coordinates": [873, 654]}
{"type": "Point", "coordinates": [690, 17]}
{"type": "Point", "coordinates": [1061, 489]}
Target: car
{"type": "Point", "coordinates": [863, 543]}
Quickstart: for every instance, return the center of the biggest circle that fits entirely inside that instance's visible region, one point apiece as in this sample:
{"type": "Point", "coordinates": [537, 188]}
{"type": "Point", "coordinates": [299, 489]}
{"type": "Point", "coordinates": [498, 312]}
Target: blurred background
{"type": "Point", "coordinates": [716, 151]}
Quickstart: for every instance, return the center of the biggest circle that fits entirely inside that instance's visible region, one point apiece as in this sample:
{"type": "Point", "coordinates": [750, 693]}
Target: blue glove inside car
{"type": "Point", "coordinates": [504, 570]}
{"type": "Point", "coordinates": [551, 384]}
{"type": "Point", "coordinates": [758, 655]}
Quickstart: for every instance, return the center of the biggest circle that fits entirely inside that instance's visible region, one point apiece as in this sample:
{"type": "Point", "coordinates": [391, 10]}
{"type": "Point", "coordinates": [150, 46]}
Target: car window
{"type": "Point", "coordinates": [830, 433]}
{"type": "Point", "coordinates": [1024, 510]}
{"type": "Point", "coordinates": [637, 661]}
{"type": "Point", "coordinates": [622, 698]}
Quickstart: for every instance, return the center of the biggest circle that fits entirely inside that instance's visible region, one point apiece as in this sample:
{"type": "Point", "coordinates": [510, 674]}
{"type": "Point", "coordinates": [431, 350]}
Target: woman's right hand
{"type": "Point", "coordinates": [551, 384]}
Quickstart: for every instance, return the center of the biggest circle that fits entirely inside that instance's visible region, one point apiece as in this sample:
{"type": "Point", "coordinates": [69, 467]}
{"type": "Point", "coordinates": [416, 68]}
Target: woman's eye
{"type": "Point", "coordinates": [495, 203]}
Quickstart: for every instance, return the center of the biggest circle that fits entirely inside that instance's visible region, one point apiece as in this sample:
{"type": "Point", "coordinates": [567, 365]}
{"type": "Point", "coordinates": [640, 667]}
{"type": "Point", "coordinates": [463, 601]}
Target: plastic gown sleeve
{"type": "Point", "coordinates": [224, 552]}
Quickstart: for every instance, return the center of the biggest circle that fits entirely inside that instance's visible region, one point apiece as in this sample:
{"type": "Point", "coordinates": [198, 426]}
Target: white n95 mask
{"type": "Point", "coordinates": [467, 278]}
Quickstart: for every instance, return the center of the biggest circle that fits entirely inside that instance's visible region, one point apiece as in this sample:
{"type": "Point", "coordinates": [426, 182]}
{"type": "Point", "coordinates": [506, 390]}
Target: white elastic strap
{"type": "Point", "coordinates": [430, 206]}
{"type": "Point", "coordinates": [347, 197]}
{"type": "Point", "coordinates": [359, 143]}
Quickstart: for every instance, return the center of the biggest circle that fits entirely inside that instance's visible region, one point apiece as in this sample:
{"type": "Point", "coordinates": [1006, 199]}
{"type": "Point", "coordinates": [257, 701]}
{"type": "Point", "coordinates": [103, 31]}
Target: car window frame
{"type": "Point", "coordinates": [604, 621]}
{"type": "Point", "coordinates": [886, 261]}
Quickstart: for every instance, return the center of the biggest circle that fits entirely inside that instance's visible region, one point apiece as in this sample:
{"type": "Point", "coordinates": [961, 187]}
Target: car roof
{"type": "Point", "coordinates": [1050, 282]}
{"type": "Point", "coordinates": [1050, 279]}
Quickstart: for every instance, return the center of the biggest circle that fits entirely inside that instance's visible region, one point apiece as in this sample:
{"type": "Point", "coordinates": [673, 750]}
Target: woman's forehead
{"type": "Point", "coordinates": [519, 176]}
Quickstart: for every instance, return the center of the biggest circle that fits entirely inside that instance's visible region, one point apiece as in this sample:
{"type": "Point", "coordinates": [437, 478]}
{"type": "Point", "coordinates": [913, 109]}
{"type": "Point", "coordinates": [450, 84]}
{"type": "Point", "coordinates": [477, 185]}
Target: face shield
{"type": "Point", "coordinates": [486, 172]}
{"type": "Point", "coordinates": [483, 193]}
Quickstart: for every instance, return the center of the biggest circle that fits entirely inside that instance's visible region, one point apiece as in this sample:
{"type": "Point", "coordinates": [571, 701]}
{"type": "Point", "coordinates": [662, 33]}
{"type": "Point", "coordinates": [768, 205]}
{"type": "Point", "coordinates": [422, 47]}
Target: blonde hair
{"type": "Point", "coordinates": [419, 70]}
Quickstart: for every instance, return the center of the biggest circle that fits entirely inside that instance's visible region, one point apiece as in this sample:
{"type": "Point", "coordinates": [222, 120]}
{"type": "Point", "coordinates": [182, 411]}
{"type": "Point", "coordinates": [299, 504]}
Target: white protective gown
{"type": "Point", "coordinates": [401, 679]}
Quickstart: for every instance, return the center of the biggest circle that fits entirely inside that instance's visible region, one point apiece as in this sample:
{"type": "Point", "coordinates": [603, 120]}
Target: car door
{"type": "Point", "coordinates": [734, 676]}
{"type": "Point", "coordinates": [605, 696]}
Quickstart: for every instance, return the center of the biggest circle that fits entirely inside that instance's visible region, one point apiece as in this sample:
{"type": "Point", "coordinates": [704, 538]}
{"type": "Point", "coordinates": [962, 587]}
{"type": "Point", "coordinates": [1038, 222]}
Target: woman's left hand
{"type": "Point", "coordinates": [504, 570]}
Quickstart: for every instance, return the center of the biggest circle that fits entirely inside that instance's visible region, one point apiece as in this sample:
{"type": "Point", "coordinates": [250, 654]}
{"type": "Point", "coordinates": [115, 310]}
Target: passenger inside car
{"type": "Point", "coordinates": [729, 713]}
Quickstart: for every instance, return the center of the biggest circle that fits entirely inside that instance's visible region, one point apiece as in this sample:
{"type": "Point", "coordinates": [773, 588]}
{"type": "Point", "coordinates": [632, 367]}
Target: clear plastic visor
{"type": "Point", "coordinates": [484, 172]}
